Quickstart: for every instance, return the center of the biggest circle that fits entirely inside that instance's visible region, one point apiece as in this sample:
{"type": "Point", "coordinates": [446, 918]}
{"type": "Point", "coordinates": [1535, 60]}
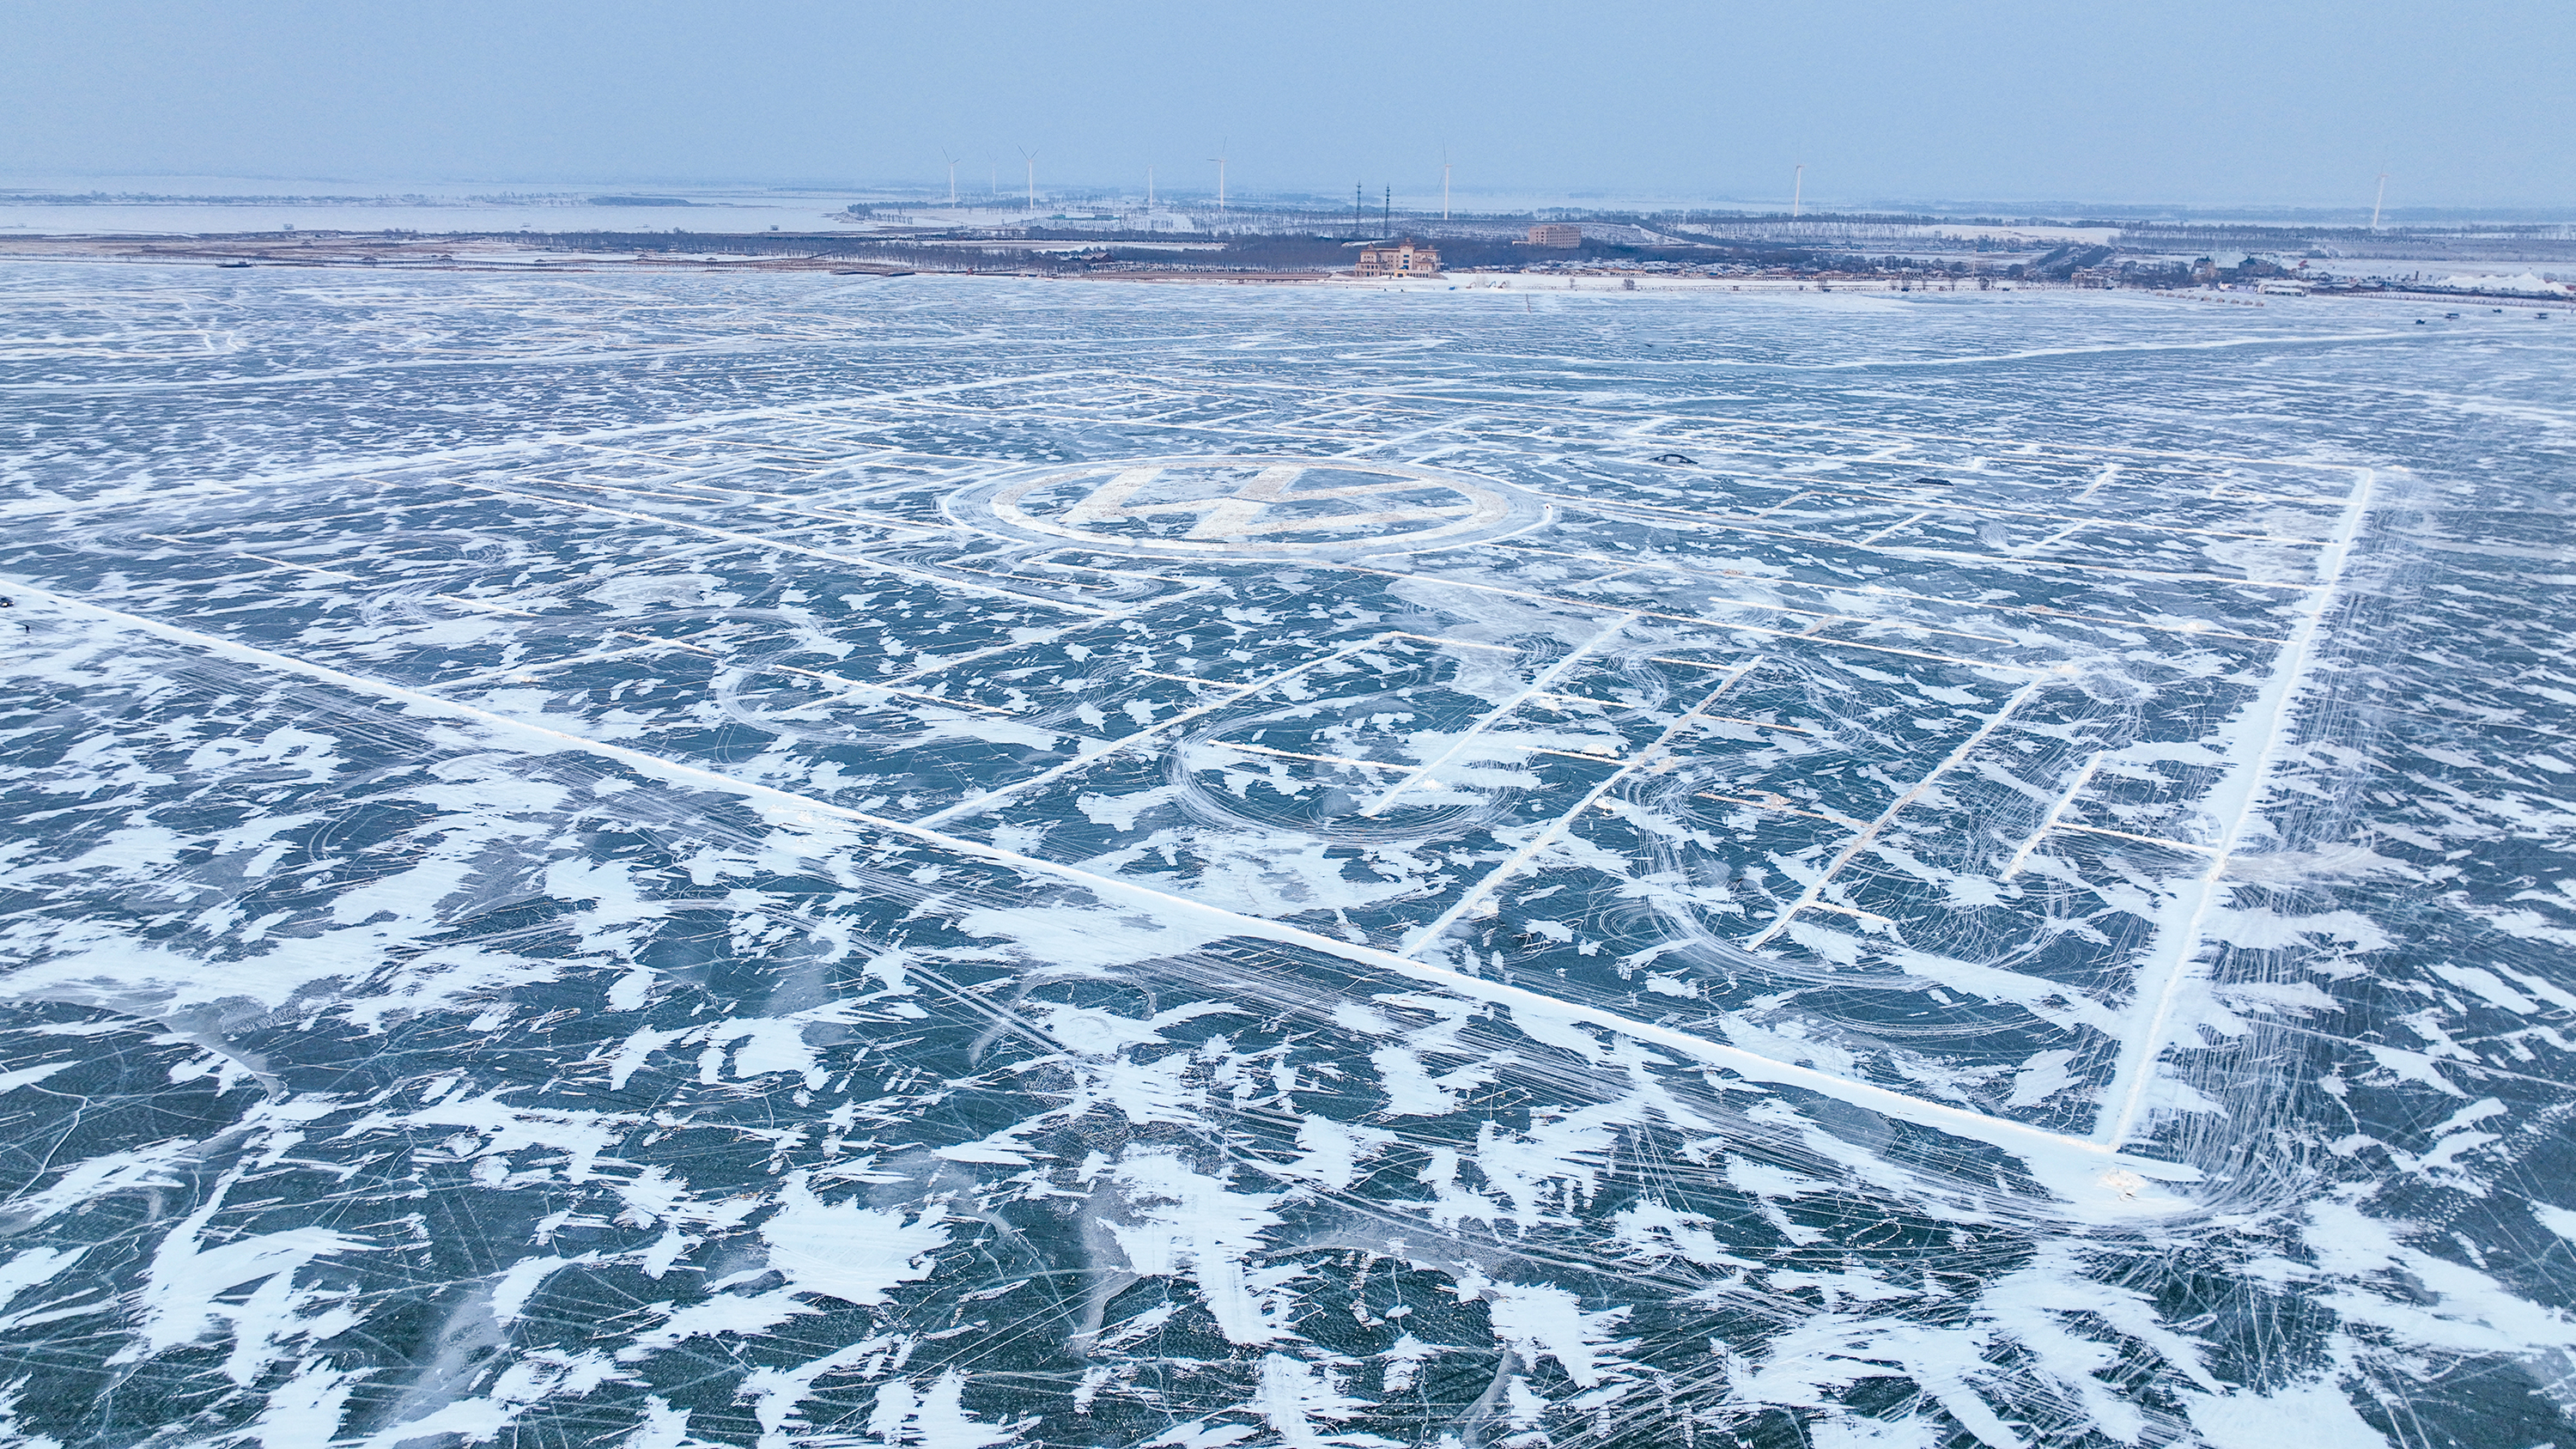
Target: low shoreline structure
{"type": "Point", "coordinates": [533, 254]}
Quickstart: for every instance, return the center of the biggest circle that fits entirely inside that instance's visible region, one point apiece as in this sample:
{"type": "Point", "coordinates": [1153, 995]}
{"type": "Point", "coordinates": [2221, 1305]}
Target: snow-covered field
{"type": "Point", "coordinates": [688, 860]}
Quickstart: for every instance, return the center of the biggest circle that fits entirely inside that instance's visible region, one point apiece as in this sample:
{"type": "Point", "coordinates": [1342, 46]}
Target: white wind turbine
{"type": "Point", "coordinates": [2376, 201]}
{"type": "Point", "coordinates": [1219, 159]}
{"type": "Point", "coordinates": [1444, 186]}
{"type": "Point", "coordinates": [1032, 158]}
{"type": "Point", "coordinates": [1797, 188]}
{"type": "Point", "coordinates": [952, 174]}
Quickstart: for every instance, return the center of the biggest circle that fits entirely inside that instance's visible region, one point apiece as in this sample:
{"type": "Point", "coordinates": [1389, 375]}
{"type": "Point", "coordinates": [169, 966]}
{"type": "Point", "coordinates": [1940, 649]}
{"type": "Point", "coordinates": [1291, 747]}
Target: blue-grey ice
{"type": "Point", "coordinates": [784, 860]}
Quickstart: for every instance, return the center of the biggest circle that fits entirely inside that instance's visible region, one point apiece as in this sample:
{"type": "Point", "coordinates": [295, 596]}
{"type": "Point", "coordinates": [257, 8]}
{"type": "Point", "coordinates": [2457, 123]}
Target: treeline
{"type": "Point", "coordinates": [915, 255]}
{"type": "Point", "coordinates": [1252, 251]}
{"type": "Point", "coordinates": [1293, 252]}
{"type": "Point", "coordinates": [1296, 252]}
{"type": "Point", "coordinates": [1841, 235]}
{"type": "Point", "coordinates": [2498, 243]}
{"type": "Point", "coordinates": [2526, 241]}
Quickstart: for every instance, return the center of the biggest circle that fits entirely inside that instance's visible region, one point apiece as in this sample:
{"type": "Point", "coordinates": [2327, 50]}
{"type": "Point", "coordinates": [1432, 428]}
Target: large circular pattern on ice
{"type": "Point", "coordinates": [1237, 507]}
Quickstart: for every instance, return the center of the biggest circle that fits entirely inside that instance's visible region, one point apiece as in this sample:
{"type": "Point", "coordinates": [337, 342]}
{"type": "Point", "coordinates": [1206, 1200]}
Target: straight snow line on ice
{"type": "Point", "coordinates": [1816, 888]}
{"type": "Point", "coordinates": [2086, 1174]}
{"type": "Point", "coordinates": [642, 497]}
{"type": "Point", "coordinates": [2197, 629]}
{"type": "Point", "coordinates": [2009, 561]}
{"type": "Point", "coordinates": [1430, 934]}
{"type": "Point", "coordinates": [2056, 812]}
{"type": "Point", "coordinates": [2162, 974]}
{"type": "Point", "coordinates": [1699, 620]}
{"type": "Point", "coordinates": [782, 412]}
{"type": "Point", "coordinates": [1988, 359]}
{"type": "Point", "coordinates": [1533, 403]}
{"type": "Point", "coordinates": [754, 540]}
{"type": "Point", "coordinates": [989, 798]}
{"type": "Point", "coordinates": [1536, 687]}
{"type": "Point", "coordinates": [359, 369]}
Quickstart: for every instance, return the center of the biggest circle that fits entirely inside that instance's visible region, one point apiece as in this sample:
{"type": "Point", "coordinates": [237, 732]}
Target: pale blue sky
{"type": "Point", "coordinates": [2248, 103]}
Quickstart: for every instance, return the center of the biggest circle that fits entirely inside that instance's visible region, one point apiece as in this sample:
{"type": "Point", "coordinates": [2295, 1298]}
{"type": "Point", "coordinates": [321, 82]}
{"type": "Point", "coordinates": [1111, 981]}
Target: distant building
{"type": "Point", "coordinates": [1404, 259]}
{"type": "Point", "coordinates": [1556, 235]}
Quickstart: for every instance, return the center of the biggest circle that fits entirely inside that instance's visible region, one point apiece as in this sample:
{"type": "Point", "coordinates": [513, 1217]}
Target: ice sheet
{"type": "Point", "coordinates": [763, 860]}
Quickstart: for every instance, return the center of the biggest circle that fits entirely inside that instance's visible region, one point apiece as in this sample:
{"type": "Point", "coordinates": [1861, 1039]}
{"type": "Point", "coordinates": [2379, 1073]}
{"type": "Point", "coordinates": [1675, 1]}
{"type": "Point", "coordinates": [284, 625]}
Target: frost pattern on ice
{"type": "Point", "coordinates": [700, 862]}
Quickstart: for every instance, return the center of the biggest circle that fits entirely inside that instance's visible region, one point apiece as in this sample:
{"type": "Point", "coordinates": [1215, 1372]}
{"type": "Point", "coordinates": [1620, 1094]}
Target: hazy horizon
{"type": "Point", "coordinates": [2195, 106]}
{"type": "Point", "coordinates": [711, 198]}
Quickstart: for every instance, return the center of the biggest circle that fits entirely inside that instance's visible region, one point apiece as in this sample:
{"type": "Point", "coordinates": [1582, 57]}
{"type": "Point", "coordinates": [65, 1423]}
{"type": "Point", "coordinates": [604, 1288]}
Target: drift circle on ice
{"type": "Point", "coordinates": [1231, 507]}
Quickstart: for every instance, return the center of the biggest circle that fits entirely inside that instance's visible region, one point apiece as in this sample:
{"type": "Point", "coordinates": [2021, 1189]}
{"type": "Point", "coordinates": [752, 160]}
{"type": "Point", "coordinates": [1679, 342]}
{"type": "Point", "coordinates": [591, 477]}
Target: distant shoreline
{"type": "Point", "coordinates": [488, 256]}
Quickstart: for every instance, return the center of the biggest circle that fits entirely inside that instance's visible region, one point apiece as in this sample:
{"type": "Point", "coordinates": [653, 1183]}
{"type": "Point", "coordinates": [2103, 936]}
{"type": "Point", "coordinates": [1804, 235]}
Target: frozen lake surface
{"type": "Point", "coordinates": [783, 860]}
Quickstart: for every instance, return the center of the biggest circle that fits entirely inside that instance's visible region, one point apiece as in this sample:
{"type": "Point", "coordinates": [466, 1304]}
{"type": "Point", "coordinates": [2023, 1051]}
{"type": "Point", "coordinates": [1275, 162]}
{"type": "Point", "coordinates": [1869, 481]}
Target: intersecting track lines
{"type": "Point", "coordinates": [1594, 606]}
{"type": "Point", "coordinates": [2081, 1172]}
{"type": "Point", "coordinates": [1814, 893]}
{"type": "Point", "coordinates": [261, 557]}
{"type": "Point", "coordinates": [1535, 688]}
{"type": "Point", "coordinates": [754, 500]}
{"type": "Point", "coordinates": [1683, 566]}
{"type": "Point", "coordinates": [1559, 440]}
{"type": "Point", "coordinates": [2075, 520]}
{"type": "Point", "coordinates": [1901, 523]}
{"type": "Point", "coordinates": [1266, 751]}
{"type": "Point", "coordinates": [1531, 402]}
{"type": "Point", "coordinates": [2161, 976]}
{"type": "Point", "coordinates": [1613, 509]}
{"type": "Point", "coordinates": [754, 540]}
{"type": "Point", "coordinates": [861, 686]}
{"type": "Point", "coordinates": [2048, 822]}
{"type": "Point", "coordinates": [2182, 845]}
{"type": "Point", "coordinates": [1423, 938]}
{"type": "Point", "coordinates": [352, 369]}
{"type": "Point", "coordinates": [981, 803]}
{"type": "Point", "coordinates": [792, 413]}
{"type": "Point", "coordinates": [529, 671]}
{"type": "Point", "coordinates": [1779, 804]}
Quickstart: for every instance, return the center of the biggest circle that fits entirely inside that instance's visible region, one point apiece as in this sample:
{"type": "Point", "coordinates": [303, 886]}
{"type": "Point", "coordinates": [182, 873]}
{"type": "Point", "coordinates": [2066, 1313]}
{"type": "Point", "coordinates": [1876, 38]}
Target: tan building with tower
{"type": "Point", "coordinates": [1401, 260]}
{"type": "Point", "coordinates": [1556, 234]}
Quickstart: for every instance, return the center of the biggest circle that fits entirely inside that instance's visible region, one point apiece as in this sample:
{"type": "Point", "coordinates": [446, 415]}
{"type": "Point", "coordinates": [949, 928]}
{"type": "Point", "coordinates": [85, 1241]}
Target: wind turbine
{"type": "Point", "coordinates": [2376, 200]}
{"type": "Point", "coordinates": [1149, 188]}
{"type": "Point", "coordinates": [1797, 188]}
{"type": "Point", "coordinates": [1220, 175]}
{"type": "Point", "coordinates": [1444, 186]}
{"type": "Point", "coordinates": [1032, 158]}
{"type": "Point", "coordinates": [952, 174]}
